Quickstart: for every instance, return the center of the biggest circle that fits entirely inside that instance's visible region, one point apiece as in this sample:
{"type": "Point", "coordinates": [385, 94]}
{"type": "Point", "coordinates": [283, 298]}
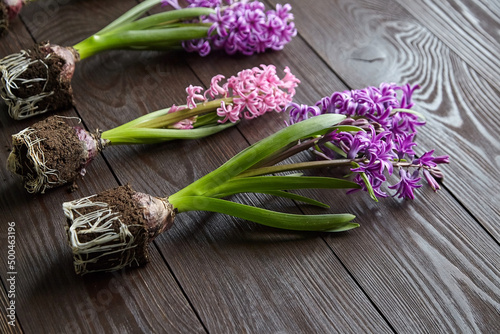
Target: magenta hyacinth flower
{"type": "Point", "coordinates": [406, 184]}
{"type": "Point", "coordinates": [242, 27]}
{"type": "Point", "coordinates": [386, 142]}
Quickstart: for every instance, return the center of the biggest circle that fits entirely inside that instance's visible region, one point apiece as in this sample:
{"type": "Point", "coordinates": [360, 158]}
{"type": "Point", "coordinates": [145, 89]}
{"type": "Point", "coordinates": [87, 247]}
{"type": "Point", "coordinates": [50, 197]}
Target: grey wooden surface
{"type": "Point", "coordinates": [425, 266]}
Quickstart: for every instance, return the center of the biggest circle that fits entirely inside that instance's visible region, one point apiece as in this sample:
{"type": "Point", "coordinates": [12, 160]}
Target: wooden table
{"type": "Point", "coordinates": [430, 265]}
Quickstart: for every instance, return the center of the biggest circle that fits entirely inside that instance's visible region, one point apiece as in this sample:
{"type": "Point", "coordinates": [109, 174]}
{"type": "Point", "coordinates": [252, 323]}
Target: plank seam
{"type": "Point", "coordinates": [184, 293]}
{"type": "Point", "coordinates": [360, 287]}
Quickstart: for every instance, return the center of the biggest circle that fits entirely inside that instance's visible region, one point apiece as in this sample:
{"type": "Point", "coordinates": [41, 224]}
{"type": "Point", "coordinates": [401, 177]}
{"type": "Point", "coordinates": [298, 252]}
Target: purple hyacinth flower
{"type": "Point", "coordinates": [196, 3]}
{"type": "Point", "coordinates": [244, 27]}
{"type": "Point", "coordinates": [407, 183]}
{"type": "Point", "coordinates": [387, 141]}
{"type": "Point", "coordinates": [404, 145]}
{"type": "Point", "coordinates": [353, 144]}
{"type": "Point", "coordinates": [375, 183]}
{"type": "Point", "coordinates": [431, 180]}
{"type": "Point", "coordinates": [300, 112]}
{"type": "Point", "coordinates": [428, 160]}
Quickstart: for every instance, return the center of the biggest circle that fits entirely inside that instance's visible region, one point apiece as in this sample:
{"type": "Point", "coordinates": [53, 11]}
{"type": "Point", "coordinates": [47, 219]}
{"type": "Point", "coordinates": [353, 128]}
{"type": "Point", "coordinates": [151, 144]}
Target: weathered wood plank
{"type": "Point", "coordinates": [43, 19]}
{"type": "Point", "coordinates": [393, 47]}
{"type": "Point", "coordinates": [265, 280]}
{"type": "Point", "coordinates": [131, 301]}
{"type": "Point", "coordinates": [426, 264]}
{"type": "Point", "coordinates": [468, 27]}
{"type": "Point", "coordinates": [411, 267]}
{"type": "Point", "coordinates": [441, 241]}
{"type": "Point", "coordinates": [9, 323]}
{"type": "Point", "coordinates": [162, 169]}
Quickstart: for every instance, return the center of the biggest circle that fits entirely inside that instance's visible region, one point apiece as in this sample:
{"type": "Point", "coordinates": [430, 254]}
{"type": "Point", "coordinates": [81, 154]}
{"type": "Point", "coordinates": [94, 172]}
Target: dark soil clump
{"type": "Point", "coordinates": [47, 64]}
{"type": "Point", "coordinates": [122, 205]}
{"type": "Point", "coordinates": [63, 153]}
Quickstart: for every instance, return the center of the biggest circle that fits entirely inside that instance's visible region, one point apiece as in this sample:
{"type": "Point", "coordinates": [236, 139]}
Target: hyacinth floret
{"type": "Point", "coordinates": [241, 27]}
{"type": "Point", "coordinates": [407, 183]}
{"type": "Point", "coordinates": [301, 112]}
{"type": "Point", "coordinates": [386, 143]}
{"type": "Point", "coordinates": [197, 3]}
{"type": "Point", "coordinates": [375, 104]}
{"type": "Point", "coordinates": [249, 94]}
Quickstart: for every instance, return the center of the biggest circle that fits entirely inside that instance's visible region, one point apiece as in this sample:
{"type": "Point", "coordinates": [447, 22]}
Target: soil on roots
{"type": "Point", "coordinates": [62, 150]}
{"type": "Point", "coordinates": [120, 200]}
{"type": "Point", "coordinates": [46, 64]}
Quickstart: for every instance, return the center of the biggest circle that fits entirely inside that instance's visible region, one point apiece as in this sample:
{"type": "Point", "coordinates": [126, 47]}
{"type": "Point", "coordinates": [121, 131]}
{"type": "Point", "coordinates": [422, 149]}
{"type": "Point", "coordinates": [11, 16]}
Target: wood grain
{"type": "Point", "coordinates": [430, 265]}
{"type": "Point", "coordinates": [456, 77]}
{"type": "Point", "coordinates": [426, 268]}
{"type": "Point", "coordinates": [467, 27]}
{"type": "Point", "coordinates": [7, 324]}
{"type": "Point", "coordinates": [130, 301]}
{"type": "Point", "coordinates": [394, 47]}
{"type": "Point", "coordinates": [163, 169]}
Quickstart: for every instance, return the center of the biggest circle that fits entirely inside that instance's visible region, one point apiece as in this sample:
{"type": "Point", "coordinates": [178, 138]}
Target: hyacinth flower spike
{"type": "Point", "coordinates": [386, 145]}
{"type": "Point", "coordinates": [39, 80]}
{"type": "Point", "coordinates": [112, 230]}
{"type": "Point", "coordinates": [51, 153]}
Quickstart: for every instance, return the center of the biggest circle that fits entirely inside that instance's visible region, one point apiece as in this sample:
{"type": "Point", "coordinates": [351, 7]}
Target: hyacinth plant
{"type": "Point", "coordinates": [370, 130]}
{"type": "Point", "coordinates": [51, 153]}
{"type": "Point", "coordinates": [39, 80]}
{"type": "Point", "coordinates": [112, 230]}
{"type": "Point", "coordinates": [386, 144]}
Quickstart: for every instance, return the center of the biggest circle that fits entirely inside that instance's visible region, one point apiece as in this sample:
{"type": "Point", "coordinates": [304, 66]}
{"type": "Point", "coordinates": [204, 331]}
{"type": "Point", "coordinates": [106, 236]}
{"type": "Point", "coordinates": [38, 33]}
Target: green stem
{"type": "Point", "coordinates": [326, 223]}
{"type": "Point", "coordinates": [132, 14]}
{"type": "Point", "coordinates": [408, 111]}
{"type": "Point", "coordinates": [151, 136]}
{"type": "Point", "coordinates": [163, 19]}
{"type": "Point", "coordinates": [153, 127]}
{"type": "Point", "coordinates": [296, 197]}
{"type": "Point", "coordinates": [172, 118]}
{"type": "Point", "coordinates": [151, 39]}
{"type": "Point", "coordinates": [287, 152]}
{"type": "Point", "coordinates": [207, 119]}
{"type": "Point", "coordinates": [259, 151]}
{"type": "Point", "coordinates": [295, 166]}
{"type": "Point", "coordinates": [334, 148]}
{"type": "Point", "coordinates": [150, 116]}
{"type": "Point", "coordinates": [271, 183]}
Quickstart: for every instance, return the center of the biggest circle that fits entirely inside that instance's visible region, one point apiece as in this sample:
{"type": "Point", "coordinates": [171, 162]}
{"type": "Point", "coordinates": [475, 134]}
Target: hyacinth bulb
{"type": "Point", "coordinates": [37, 80]}
{"type": "Point", "coordinates": [51, 153]}
{"type": "Point", "coordinates": [112, 230]}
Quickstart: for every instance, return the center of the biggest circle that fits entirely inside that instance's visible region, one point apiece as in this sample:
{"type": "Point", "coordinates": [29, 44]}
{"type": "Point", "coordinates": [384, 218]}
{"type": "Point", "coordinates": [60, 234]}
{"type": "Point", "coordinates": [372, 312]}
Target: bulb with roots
{"type": "Point", "coordinates": [112, 230]}
{"type": "Point", "coordinates": [51, 153]}
{"type": "Point", "coordinates": [37, 80]}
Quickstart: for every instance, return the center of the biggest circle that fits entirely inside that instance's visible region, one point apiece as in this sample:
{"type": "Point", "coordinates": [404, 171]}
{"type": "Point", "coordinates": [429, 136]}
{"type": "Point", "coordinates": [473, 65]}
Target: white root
{"type": "Point", "coordinates": [108, 242]}
{"type": "Point", "coordinates": [12, 67]}
{"type": "Point", "coordinates": [40, 178]}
